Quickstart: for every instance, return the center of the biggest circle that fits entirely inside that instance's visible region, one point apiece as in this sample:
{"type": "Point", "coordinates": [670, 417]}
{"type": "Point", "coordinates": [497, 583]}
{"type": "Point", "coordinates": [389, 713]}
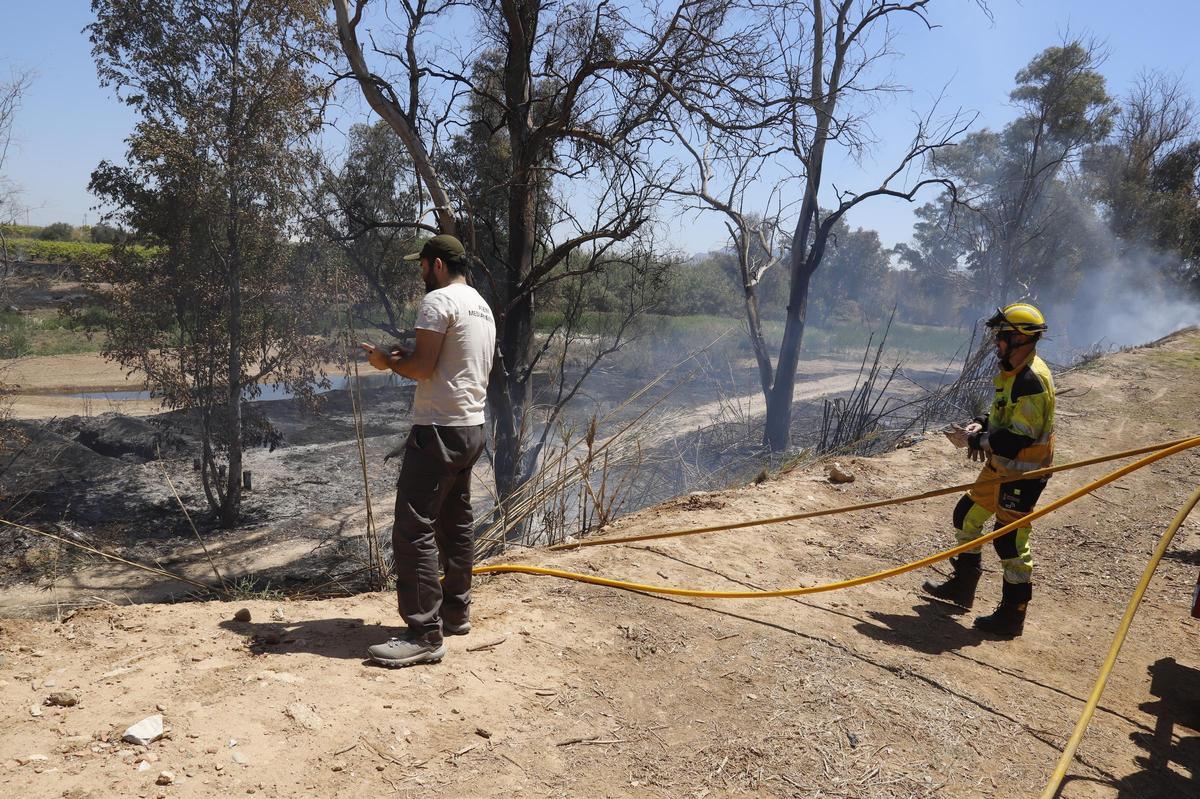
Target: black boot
{"type": "Point", "coordinates": [1008, 620]}
{"type": "Point", "coordinates": [960, 587]}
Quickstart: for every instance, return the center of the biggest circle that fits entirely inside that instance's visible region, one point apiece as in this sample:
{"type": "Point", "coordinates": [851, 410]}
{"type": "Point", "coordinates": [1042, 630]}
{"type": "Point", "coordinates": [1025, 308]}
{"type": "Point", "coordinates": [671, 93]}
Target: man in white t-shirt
{"type": "Point", "coordinates": [451, 360]}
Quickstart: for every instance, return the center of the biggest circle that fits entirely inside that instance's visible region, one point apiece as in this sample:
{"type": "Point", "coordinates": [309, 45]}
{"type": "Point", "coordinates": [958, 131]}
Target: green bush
{"type": "Point", "coordinates": [106, 234]}
{"type": "Point", "coordinates": [14, 342]}
{"type": "Point", "coordinates": [87, 319]}
{"type": "Point", "coordinates": [59, 231]}
{"type": "Point", "coordinates": [28, 335]}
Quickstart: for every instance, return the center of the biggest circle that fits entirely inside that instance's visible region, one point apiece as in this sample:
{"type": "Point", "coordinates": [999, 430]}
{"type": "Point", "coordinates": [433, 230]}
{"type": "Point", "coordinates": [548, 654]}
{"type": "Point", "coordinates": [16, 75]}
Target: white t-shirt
{"type": "Point", "coordinates": [454, 395]}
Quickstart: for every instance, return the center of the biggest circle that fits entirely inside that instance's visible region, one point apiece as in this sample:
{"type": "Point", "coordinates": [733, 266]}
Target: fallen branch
{"type": "Point", "coordinates": [487, 645]}
{"type": "Point", "coordinates": [116, 558]}
{"type": "Point", "coordinates": [593, 740]}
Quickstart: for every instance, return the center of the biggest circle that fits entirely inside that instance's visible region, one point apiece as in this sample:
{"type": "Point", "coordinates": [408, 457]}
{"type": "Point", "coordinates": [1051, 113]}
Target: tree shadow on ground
{"type": "Point", "coordinates": [933, 630]}
{"type": "Point", "coordinates": [345, 639]}
{"type": "Point", "coordinates": [1170, 765]}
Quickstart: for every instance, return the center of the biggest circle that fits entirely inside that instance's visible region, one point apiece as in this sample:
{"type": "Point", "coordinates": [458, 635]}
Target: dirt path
{"type": "Point", "coordinates": [564, 689]}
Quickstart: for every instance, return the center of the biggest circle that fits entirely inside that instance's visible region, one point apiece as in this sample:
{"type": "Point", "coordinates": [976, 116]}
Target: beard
{"type": "Point", "coordinates": [430, 284]}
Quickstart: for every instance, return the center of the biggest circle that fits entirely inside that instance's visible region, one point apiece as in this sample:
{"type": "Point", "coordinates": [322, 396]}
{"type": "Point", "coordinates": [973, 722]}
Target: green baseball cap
{"type": "Point", "coordinates": [444, 246]}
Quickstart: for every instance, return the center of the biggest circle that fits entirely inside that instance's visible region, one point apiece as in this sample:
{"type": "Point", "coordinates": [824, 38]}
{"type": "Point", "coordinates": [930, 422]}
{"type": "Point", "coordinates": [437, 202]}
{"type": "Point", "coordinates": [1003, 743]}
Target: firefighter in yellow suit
{"type": "Point", "coordinates": [1016, 436]}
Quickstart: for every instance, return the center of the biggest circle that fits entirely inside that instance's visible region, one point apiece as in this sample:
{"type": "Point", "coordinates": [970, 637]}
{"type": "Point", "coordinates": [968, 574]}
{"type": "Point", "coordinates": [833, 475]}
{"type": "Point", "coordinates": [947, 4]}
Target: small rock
{"type": "Point", "coordinates": [161, 708]}
{"type": "Point", "coordinates": [337, 767]}
{"type": "Point", "coordinates": [165, 778]}
{"type": "Point", "coordinates": [143, 765]}
{"type": "Point", "coordinates": [837, 474]}
{"type": "Point", "coordinates": [49, 683]}
{"type": "Point", "coordinates": [34, 710]}
{"type": "Point", "coordinates": [482, 733]}
{"type": "Point", "coordinates": [146, 731]}
{"type": "Point", "coordinates": [62, 699]}
{"type": "Point", "coordinates": [304, 715]}
{"type": "Point", "coordinates": [241, 759]}
{"type": "Point", "coordinates": [25, 761]}
{"type": "Point", "coordinates": [242, 615]}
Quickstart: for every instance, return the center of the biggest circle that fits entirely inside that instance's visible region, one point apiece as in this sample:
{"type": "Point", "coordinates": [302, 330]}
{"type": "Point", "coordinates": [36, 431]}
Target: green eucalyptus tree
{"type": "Point", "coordinates": [226, 96]}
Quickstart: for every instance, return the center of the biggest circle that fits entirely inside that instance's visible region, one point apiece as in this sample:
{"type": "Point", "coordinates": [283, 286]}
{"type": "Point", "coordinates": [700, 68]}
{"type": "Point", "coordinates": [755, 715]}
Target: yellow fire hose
{"type": "Point", "coordinates": [1060, 772]}
{"type": "Point", "coordinates": [882, 503]}
{"type": "Point", "coordinates": [516, 568]}
{"type": "Point", "coordinates": [1159, 452]}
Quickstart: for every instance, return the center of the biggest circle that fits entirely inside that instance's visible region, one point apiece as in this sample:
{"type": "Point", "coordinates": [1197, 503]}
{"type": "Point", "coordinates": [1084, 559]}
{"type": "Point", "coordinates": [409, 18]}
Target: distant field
{"type": "Point", "coordinates": [845, 338]}
{"type": "Point", "coordinates": [75, 253]}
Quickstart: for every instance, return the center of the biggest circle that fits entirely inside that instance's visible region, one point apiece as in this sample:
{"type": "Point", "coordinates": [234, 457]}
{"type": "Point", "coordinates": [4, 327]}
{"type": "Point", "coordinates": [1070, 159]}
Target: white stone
{"type": "Point", "coordinates": [146, 731]}
{"type": "Point", "coordinates": [304, 715]}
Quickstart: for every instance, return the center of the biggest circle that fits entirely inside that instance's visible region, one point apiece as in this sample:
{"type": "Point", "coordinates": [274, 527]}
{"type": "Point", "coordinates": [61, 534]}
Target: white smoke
{"type": "Point", "coordinates": [1127, 301]}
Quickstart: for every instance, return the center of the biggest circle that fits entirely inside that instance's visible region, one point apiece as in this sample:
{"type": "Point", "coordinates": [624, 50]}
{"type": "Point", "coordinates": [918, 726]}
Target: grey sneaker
{"type": "Point", "coordinates": [399, 652]}
{"type": "Point", "coordinates": [461, 628]}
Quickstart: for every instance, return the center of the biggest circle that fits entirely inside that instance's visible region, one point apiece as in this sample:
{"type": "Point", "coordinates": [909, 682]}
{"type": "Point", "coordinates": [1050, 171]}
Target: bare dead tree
{"type": "Point", "coordinates": [812, 93]}
{"type": "Point", "coordinates": [724, 168]}
{"type": "Point", "coordinates": [11, 93]}
{"type": "Point", "coordinates": [565, 101]}
{"type": "Point", "coordinates": [837, 66]}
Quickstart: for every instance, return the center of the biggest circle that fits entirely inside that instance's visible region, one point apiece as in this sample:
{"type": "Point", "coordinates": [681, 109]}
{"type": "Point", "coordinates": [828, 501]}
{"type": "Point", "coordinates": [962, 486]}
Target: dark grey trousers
{"type": "Point", "coordinates": [433, 526]}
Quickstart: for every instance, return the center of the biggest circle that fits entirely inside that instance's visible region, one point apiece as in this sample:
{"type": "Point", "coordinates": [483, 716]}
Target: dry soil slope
{"type": "Point", "coordinates": [871, 692]}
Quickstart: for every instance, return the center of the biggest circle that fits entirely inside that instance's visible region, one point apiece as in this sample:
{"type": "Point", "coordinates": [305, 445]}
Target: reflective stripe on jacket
{"type": "Point", "coordinates": [1020, 424]}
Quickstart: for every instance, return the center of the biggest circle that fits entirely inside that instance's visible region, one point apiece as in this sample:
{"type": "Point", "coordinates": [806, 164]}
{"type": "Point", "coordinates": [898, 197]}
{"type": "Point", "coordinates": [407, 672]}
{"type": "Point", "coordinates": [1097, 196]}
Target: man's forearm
{"type": "Point", "coordinates": [406, 366]}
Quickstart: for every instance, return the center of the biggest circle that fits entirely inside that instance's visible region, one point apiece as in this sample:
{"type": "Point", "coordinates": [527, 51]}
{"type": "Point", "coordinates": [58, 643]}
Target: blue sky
{"type": "Point", "coordinates": [68, 123]}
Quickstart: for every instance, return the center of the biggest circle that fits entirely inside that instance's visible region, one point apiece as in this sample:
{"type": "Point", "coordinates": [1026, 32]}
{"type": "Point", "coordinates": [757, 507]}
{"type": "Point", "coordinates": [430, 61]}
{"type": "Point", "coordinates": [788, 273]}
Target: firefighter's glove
{"type": "Point", "coordinates": [978, 448]}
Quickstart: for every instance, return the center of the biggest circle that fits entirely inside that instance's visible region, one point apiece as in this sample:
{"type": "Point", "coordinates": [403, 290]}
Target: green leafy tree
{"type": "Point", "coordinates": [930, 289]}
{"type": "Point", "coordinates": [853, 284]}
{"type": "Point", "coordinates": [58, 231]}
{"type": "Point", "coordinates": [226, 96]}
{"type": "Point", "coordinates": [1011, 196]}
{"type": "Point", "coordinates": [1147, 176]}
{"type": "Point", "coordinates": [367, 210]}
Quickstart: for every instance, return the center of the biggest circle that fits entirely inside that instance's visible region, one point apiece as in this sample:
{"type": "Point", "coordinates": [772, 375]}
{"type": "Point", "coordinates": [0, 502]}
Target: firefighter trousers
{"type": "Point", "coordinates": [1007, 501]}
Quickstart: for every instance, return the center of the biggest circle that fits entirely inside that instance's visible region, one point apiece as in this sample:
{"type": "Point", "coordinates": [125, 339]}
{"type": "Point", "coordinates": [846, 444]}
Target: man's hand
{"type": "Point", "coordinates": [376, 357]}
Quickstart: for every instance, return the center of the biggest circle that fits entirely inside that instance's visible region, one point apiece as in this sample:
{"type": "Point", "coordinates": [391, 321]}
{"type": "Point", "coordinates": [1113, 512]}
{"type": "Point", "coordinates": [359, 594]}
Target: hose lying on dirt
{"type": "Point", "coordinates": [881, 503]}
{"type": "Point", "coordinates": [1135, 601]}
{"type": "Point", "coordinates": [516, 568]}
